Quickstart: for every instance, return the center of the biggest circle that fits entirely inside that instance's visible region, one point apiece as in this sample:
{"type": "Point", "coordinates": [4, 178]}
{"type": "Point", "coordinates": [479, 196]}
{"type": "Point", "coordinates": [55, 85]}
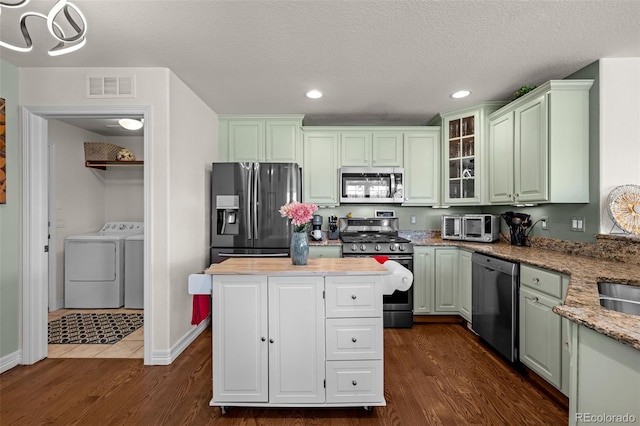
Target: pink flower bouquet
{"type": "Point", "coordinates": [299, 213]}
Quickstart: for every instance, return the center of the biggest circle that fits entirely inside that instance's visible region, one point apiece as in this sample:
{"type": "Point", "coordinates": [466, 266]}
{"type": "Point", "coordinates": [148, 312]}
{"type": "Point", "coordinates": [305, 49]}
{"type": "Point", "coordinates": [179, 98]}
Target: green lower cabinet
{"type": "Point", "coordinates": [435, 280]}
{"type": "Point", "coordinates": [465, 284]}
{"type": "Point", "coordinates": [605, 379]}
{"type": "Point", "coordinates": [543, 333]}
{"type": "Point", "coordinates": [540, 335]}
{"type": "Point", "coordinates": [325, 251]}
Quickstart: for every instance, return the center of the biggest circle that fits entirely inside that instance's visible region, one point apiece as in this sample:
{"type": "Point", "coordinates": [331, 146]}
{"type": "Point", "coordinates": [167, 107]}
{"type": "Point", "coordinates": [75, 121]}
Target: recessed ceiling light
{"type": "Point", "coordinates": [314, 94]}
{"type": "Point", "coordinates": [130, 123]}
{"type": "Point", "coordinates": [460, 94]}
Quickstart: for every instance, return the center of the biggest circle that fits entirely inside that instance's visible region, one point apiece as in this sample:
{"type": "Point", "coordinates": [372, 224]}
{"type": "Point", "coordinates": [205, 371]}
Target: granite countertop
{"type": "Point", "coordinates": [582, 304]}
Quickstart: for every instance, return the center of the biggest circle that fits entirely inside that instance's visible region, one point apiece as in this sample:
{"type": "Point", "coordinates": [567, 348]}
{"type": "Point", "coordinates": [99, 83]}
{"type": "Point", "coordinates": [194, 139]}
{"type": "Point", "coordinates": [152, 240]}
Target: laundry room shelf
{"type": "Point", "coordinates": [102, 165]}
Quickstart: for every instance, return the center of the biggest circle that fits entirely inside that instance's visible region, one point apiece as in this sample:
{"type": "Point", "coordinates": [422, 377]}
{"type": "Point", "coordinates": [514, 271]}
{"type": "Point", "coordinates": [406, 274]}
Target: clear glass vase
{"type": "Point", "coordinates": [299, 248]}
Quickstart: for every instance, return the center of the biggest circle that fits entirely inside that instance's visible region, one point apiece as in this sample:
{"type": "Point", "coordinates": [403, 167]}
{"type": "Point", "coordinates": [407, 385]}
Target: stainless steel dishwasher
{"type": "Point", "coordinates": [495, 285]}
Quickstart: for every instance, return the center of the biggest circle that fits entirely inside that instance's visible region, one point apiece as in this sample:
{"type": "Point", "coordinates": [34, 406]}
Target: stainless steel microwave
{"type": "Point", "coordinates": [371, 185]}
{"type": "Point", "coordinates": [471, 227]}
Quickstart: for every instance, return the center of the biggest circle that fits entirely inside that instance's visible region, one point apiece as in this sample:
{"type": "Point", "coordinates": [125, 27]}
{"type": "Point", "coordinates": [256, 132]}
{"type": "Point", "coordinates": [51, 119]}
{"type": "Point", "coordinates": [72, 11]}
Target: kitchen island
{"type": "Point", "coordinates": [297, 336]}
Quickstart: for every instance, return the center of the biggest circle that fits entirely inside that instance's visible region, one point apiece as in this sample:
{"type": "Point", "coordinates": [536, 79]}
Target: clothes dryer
{"type": "Point", "coordinates": [134, 272]}
{"type": "Point", "coordinates": [94, 266]}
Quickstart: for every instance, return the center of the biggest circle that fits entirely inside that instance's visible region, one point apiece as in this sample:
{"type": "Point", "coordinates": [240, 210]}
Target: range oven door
{"type": "Point", "coordinates": [397, 307]}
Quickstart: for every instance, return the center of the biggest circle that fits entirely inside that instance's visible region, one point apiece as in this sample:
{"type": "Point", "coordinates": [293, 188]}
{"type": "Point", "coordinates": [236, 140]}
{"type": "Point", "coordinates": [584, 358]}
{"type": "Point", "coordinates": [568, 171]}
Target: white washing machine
{"type": "Point", "coordinates": [134, 272]}
{"type": "Point", "coordinates": [94, 266]}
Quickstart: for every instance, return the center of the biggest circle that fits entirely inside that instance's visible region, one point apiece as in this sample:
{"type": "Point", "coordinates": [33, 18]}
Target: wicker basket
{"type": "Point", "coordinates": [100, 151]}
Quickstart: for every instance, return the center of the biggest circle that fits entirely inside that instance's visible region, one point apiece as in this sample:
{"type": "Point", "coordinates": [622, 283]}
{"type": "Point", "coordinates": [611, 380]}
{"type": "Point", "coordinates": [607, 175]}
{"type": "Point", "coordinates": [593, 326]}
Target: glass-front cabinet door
{"type": "Point", "coordinates": [460, 182]}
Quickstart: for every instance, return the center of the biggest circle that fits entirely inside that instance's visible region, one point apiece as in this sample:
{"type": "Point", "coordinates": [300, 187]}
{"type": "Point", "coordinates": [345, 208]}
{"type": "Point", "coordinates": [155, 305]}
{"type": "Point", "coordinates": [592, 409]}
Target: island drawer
{"type": "Point", "coordinates": [354, 381]}
{"type": "Point", "coordinates": [541, 280]}
{"type": "Point", "coordinates": [353, 296]}
{"type": "Point", "coordinates": [354, 338]}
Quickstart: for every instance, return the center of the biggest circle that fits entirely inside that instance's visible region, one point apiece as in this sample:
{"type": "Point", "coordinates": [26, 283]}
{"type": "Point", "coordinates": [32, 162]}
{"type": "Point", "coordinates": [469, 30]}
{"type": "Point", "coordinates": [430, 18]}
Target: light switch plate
{"type": "Point", "coordinates": [577, 224]}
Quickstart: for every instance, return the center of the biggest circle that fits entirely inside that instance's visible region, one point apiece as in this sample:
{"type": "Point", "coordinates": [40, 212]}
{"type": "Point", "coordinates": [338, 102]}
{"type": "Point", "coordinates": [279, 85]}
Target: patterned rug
{"type": "Point", "coordinates": [93, 328]}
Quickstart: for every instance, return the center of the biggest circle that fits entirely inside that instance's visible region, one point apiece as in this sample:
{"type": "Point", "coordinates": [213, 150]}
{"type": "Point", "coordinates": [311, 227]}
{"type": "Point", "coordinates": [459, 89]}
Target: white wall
{"type": "Point", "coordinates": [66, 87]}
{"type": "Point", "coordinates": [619, 129]}
{"type": "Point", "coordinates": [193, 127]}
{"type": "Point", "coordinates": [124, 186]}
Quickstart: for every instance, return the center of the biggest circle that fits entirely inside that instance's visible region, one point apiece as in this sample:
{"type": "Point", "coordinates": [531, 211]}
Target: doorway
{"type": "Point", "coordinates": [35, 206]}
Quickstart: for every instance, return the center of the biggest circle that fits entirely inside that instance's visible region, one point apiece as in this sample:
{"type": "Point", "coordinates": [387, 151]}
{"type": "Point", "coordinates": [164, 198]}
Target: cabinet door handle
{"type": "Point", "coordinates": [354, 383]}
{"type": "Point", "coordinates": [264, 339]}
{"type": "Point", "coordinates": [353, 339]}
{"type": "Point", "coordinates": [270, 340]}
{"type": "Point", "coordinates": [353, 296]}
{"type": "Point", "coordinates": [536, 280]}
{"type": "Point", "coordinates": [535, 299]}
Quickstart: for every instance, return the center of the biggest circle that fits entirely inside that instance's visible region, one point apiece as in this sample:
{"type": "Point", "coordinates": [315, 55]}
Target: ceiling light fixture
{"type": "Point", "coordinates": [65, 44]}
{"type": "Point", "coordinates": [314, 94]}
{"type": "Point", "coordinates": [460, 94]}
{"type": "Point", "coordinates": [131, 124]}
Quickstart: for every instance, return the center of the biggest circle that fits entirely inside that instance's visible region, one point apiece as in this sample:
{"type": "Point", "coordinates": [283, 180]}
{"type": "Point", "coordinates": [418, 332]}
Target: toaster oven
{"type": "Point", "coordinates": [471, 227]}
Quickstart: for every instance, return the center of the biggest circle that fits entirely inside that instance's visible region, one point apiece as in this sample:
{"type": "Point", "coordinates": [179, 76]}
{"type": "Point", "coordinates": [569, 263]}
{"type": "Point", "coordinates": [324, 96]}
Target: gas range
{"type": "Point", "coordinates": [373, 236]}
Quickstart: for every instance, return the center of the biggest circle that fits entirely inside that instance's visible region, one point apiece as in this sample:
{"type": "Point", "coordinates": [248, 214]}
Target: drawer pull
{"type": "Point", "coordinates": [536, 280]}
{"type": "Point", "coordinates": [353, 296]}
{"type": "Point", "coordinates": [264, 339]}
{"type": "Point", "coordinates": [354, 383]}
{"type": "Point", "coordinates": [270, 340]}
{"type": "Point", "coordinates": [353, 339]}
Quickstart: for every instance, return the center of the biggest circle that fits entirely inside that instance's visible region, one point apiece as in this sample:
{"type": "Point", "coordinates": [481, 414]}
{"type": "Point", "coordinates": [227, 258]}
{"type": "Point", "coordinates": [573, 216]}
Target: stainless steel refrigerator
{"type": "Point", "coordinates": [245, 199]}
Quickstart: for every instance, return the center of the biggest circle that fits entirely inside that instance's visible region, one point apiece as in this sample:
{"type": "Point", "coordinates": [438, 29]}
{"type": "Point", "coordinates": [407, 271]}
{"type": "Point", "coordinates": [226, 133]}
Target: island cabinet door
{"type": "Point", "coordinates": [240, 338]}
{"type": "Point", "coordinates": [296, 340]}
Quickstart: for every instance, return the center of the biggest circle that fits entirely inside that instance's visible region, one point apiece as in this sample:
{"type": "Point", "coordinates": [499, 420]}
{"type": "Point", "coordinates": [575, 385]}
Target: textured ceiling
{"type": "Point", "coordinates": [378, 62]}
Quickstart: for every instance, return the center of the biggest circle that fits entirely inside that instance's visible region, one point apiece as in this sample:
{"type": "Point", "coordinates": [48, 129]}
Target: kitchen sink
{"type": "Point", "coordinates": [619, 297]}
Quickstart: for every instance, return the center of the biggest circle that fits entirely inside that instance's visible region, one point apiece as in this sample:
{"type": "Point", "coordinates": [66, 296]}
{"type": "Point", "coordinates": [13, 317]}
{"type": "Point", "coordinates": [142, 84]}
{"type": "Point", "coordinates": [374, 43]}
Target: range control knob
{"type": "Point", "coordinates": [402, 247]}
{"type": "Point", "coordinates": [393, 247]}
{"type": "Point", "coordinates": [363, 247]}
{"type": "Point", "coordinates": [354, 247]}
{"type": "Point", "coordinates": [377, 247]}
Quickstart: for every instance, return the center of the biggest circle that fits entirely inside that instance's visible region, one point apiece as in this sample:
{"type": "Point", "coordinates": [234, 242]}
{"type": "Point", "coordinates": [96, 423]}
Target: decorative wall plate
{"type": "Point", "coordinates": [624, 207]}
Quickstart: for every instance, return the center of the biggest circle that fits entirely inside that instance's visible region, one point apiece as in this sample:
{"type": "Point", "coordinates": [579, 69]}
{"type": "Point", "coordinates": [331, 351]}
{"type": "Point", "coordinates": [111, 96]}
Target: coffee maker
{"type": "Point", "coordinates": [316, 227]}
{"type": "Point", "coordinates": [518, 224]}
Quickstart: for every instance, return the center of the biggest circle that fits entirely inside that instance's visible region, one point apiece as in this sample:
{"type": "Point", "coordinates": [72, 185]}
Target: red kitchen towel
{"type": "Point", "coordinates": [201, 308]}
{"type": "Point", "coordinates": [381, 259]}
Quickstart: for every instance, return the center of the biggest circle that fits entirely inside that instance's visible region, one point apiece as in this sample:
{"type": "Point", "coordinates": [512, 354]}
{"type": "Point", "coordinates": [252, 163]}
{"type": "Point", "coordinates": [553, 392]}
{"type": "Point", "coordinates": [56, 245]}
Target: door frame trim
{"type": "Point", "coordinates": [35, 280]}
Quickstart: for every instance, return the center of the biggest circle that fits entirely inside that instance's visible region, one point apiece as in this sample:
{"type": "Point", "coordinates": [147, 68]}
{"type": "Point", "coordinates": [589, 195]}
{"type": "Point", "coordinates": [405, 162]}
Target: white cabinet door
{"type": "Point", "coordinates": [422, 168]}
{"type": "Point", "coordinates": [540, 335]}
{"type": "Point", "coordinates": [387, 149]}
{"type": "Point", "coordinates": [465, 285]}
{"type": "Point", "coordinates": [246, 140]}
{"type": "Point", "coordinates": [296, 340]}
{"type": "Point", "coordinates": [446, 280]}
{"type": "Point", "coordinates": [423, 273]}
{"type": "Point", "coordinates": [320, 168]}
{"type": "Point", "coordinates": [501, 159]}
{"type": "Point", "coordinates": [531, 153]}
{"type": "Point", "coordinates": [355, 147]}
{"type": "Point", "coordinates": [240, 347]}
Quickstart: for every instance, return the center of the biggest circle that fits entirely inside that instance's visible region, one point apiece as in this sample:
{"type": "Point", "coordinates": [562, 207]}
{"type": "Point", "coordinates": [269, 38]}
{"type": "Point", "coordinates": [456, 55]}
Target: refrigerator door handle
{"type": "Point", "coordinates": [256, 201]}
{"type": "Point", "coordinates": [253, 255]}
{"type": "Point", "coordinates": [248, 202]}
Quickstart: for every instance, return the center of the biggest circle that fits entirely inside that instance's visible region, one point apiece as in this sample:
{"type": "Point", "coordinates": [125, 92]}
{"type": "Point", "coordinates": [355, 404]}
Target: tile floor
{"type": "Point", "coordinates": [132, 346]}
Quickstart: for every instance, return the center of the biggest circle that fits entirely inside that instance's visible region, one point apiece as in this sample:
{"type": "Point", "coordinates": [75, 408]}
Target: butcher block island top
{"type": "Point", "coordinates": [283, 266]}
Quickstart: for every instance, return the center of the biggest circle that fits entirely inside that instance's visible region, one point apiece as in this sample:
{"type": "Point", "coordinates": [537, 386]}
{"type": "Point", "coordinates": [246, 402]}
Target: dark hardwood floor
{"type": "Point", "coordinates": [434, 374]}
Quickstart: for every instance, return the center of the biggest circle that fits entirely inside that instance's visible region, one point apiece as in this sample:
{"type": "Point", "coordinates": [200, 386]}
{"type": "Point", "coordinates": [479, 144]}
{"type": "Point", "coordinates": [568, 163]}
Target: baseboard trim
{"type": "Point", "coordinates": [437, 319]}
{"type": "Point", "coordinates": [167, 357]}
{"type": "Point", "coordinates": [9, 361]}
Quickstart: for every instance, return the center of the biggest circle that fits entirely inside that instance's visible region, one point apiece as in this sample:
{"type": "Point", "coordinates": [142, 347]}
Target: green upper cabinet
{"type": "Point", "coordinates": [465, 134]}
{"type": "Point", "coordinates": [539, 146]}
{"type": "Point", "coordinates": [320, 167]}
{"type": "Point", "coordinates": [422, 167]}
{"type": "Point", "coordinates": [275, 139]}
{"type": "Point", "coordinates": [371, 148]}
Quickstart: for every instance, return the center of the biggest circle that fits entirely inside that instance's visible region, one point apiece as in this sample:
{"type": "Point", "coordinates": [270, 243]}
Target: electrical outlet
{"type": "Point", "coordinates": [577, 224]}
{"type": "Point", "coordinates": [544, 223]}
{"type": "Point", "coordinates": [413, 220]}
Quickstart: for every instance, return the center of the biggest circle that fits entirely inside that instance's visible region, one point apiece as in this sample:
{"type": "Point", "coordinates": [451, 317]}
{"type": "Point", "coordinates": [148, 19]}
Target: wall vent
{"type": "Point", "coordinates": [111, 86]}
